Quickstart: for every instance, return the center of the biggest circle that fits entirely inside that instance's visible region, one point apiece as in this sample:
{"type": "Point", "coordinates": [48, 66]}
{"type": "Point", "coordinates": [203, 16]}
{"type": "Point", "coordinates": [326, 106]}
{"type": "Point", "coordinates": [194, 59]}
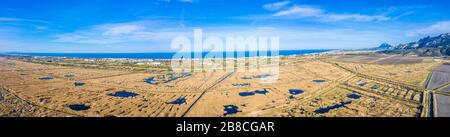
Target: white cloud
{"type": "Point", "coordinates": [297, 11]}
{"type": "Point", "coordinates": [434, 29]}
{"type": "Point", "coordinates": [308, 38]}
{"type": "Point", "coordinates": [190, 1]}
{"type": "Point", "coordinates": [354, 17]}
{"type": "Point", "coordinates": [276, 5]}
{"type": "Point", "coordinates": [143, 32]}
{"type": "Point", "coordinates": [138, 31]}
{"type": "Point", "coordinates": [300, 11]}
{"type": "Point", "coordinates": [8, 19]}
{"type": "Point", "coordinates": [20, 19]}
{"type": "Point", "coordinates": [119, 30]}
{"type": "Point", "coordinates": [41, 28]}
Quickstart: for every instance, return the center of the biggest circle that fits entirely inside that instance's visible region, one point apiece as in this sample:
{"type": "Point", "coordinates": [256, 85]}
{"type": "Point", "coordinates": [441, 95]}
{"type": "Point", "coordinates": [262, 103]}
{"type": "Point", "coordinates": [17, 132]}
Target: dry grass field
{"type": "Point", "coordinates": [306, 86]}
{"type": "Point", "coordinates": [410, 73]}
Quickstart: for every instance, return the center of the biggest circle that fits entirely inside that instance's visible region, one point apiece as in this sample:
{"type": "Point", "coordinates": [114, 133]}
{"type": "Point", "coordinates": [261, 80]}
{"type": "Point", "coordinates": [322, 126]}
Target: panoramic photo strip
{"type": "Point", "coordinates": [224, 67]}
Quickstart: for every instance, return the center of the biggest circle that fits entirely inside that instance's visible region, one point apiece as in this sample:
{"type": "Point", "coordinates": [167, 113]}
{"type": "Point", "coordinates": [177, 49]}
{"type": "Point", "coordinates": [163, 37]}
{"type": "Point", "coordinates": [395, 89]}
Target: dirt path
{"type": "Point", "coordinates": [206, 90]}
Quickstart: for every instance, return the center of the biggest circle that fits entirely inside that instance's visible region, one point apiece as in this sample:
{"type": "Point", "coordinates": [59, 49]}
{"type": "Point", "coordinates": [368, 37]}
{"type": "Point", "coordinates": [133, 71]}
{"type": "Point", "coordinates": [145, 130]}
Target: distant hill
{"type": "Point", "coordinates": [428, 46]}
{"type": "Point", "coordinates": [382, 47]}
{"type": "Point", "coordinates": [385, 46]}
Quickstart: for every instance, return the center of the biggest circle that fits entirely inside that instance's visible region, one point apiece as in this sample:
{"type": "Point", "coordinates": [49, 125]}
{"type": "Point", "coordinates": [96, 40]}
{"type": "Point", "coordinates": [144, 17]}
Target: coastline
{"type": "Point", "coordinates": [166, 56]}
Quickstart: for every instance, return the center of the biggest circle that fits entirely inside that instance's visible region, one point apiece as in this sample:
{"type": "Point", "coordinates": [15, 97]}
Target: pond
{"type": "Point", "coordinates": [46, 78]}
{"type": "Point", "coordinates": [172, 77]}
{"type": "Point", "coordinates": [123, 94]}
{"type": "Point", "coordinates": [354, 96]}
{"type": "Point", "coordinates": [79, 107]}
{"type": "Point", "coordinates": [263, 76]}
{"type": "Point", "coordinates": [79, 84]}
{"type": "Point", "coordinates": [230, 109]}
{"type": "Point", "coordinates": [327, 109]}
{"type": "Point", "coordinates": [150, 80]}
{"type": "Point", "coordinates": [264, 91]}
{"type": "Point", "coordinates": [242, 85]}
{"type": "Point", "coordinates": [247, 93]}
{"type": "Point", "coordinates": [295, 91]}
{"type": "Point", "coordinates": [319, 81]}
{"type": "Point", "coordinates": [244, 94]}
{"type": "Point", "coordinates": [178, 101]}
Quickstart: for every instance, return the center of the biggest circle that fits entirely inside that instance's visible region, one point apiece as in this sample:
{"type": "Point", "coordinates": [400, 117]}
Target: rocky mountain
{"type": "Point", "coordinates": [428, 46]}
{"type": "Point", "coordinates": [385, 46]}
{"type": "Point", "coordinates": [382, 47]}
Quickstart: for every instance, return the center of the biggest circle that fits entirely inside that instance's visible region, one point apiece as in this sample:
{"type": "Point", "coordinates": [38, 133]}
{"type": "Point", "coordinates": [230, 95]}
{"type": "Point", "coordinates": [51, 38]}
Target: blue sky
{"type": "Point", "coordinates": [150, 25]}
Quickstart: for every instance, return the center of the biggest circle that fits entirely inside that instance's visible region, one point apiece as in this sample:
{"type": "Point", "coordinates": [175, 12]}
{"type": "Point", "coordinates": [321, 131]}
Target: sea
{"type": "Point", "coordinates": [160, 55]}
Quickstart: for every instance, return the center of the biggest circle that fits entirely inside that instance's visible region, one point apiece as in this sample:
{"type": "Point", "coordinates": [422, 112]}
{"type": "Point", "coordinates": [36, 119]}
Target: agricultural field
{"type": "Point", "coordinates": [399, 60]}
{"type": "Point", "coordinates": [342, 102]}
{"type": "Point", "coordinates": [381, 59]}
{"type": "Point", "coordinates": [439, 82]}
{"type": "Point", "coordinates": [410, 73]}
{"type": "Point", "coordinates": [440, 77]}
{"type": "Point", "coordinates": [443, 104]}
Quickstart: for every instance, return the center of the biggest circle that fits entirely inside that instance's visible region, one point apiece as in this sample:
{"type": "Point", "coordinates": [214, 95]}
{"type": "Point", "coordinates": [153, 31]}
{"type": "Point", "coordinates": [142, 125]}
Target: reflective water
{"type": "Point", "coordinates": [79, 107]}
{"type": "Point", "coordinates": [327, 109]}
{"type": "Point", "coordinates": [178, 101]}
{"type": "Point", "coordinates": [354, 96]}
{"type": "Point", "coordinates": [319, 80]}
{"type": "Point", "coordinates": [46, 78]}
{"type": "Point", "coordinates": [264, 91]}
{"type": "Point", "coordinates": [242, 85]}
{"type": "Point", "coordinates": [263, 76]}
{"type": "Point", "coordinates": [295, 91]}
{"type": "Point", "coordinates": [230, 109]}
{"type": "Point", "coordinates": [123, 94]}
{"type": "Point", "coordinates": [244, 94]}
{"type": "Point", "coordinates": [79, 84]}
{"type": "Point", "coordinates": [150, 80]}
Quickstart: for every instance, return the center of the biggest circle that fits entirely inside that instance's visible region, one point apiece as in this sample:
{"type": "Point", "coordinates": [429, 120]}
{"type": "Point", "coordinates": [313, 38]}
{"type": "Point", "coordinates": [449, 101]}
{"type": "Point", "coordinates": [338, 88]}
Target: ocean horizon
{"type": "Point", "coordinates": [159, 55]}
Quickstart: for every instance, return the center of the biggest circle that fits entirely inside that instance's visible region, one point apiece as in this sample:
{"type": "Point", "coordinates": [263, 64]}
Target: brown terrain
{"type": "Point", "coordinates": [308, 86]}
